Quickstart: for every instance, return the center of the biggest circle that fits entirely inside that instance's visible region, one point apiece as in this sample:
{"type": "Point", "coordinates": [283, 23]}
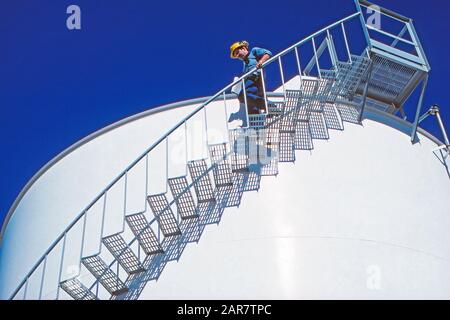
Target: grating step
{"type": "Point", "coordinates": [287, 147]}
{"type": "Point", "coordinates": [202, 182]}
{"type": "Point", "coordinates": [335, 83]}
{"type": "Point", "coordinates": [240, 149]}
{"type": "Point", "coordinates": [349, 113]}
{"type": "Point", "coordinates": [303, 139]}
{"type": "Point", "coordinates": [331, 117]}
{"type": "Point", "coordinates": [164, 215]}
{"type": "Point", "coordinates": [318, 127]}
{"type": "Point", "coordinates": [269, 161]}
{"type": "Point", "coordinates": [104, 275]}
{"type": "Point", "coordinates": [123, 254]}
{"type": "Point", "coordinates": [221, 167]}
{"type": "Point", "coordinates": [144, 233]}
{"type": "Point", "coordinates": [290, 111]}
{"type": "Point", "coordinates": [183, 197]}
{"type": "Point", "coordinates": [77, 290]}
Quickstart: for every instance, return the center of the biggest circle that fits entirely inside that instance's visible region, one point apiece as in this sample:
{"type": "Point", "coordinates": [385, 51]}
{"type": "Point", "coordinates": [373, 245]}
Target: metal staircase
{"type": "Point", "coordinates": [319, 102]}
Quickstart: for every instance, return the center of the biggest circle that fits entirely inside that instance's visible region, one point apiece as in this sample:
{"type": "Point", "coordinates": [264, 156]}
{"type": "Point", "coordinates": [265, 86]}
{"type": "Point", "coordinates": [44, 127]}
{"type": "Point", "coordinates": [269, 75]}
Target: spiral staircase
{"type": "Point", "coordinates": [381, 76]}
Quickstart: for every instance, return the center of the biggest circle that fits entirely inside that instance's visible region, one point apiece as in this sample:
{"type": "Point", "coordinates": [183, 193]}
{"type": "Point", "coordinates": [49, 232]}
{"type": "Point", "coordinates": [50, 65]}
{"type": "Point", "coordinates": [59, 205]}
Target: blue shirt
{"type": "Point", "coordinates": [254, 55]}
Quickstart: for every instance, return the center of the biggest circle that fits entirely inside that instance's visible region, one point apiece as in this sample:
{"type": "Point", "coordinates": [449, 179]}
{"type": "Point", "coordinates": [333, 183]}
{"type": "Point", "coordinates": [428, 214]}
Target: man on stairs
{"type": "Point", "coordinates": [252, 58]}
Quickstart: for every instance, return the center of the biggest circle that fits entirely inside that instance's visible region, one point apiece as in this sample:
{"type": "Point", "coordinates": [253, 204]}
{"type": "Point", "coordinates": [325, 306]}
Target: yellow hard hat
{"type": "Point", "coordinates": [235, 46]}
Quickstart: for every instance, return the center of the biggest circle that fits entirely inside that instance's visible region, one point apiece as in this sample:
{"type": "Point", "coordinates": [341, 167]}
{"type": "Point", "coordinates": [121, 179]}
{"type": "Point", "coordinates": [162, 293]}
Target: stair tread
{"type": "Point", "coordinates": [164, 215]}
{"type": "Point", "coordinates": [123, 254]}
{"type": "Point", "coordinates": [202, 182]}
{"type": "Point", "coordinates": [77, 290]}
{"type": "Point", "coordinates": [144, 233]}
{"type": "Point", "coordinates": [110, 281]}
{"type": "Point", "coordinates": [183, 197]}
{"type": "Point", "coordinates": [221, 167]}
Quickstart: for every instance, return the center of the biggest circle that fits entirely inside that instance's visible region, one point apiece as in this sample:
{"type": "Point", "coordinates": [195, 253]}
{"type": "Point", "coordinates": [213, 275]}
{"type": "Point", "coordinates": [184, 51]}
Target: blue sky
{"type": "Point", "coordinates": [57, 86]}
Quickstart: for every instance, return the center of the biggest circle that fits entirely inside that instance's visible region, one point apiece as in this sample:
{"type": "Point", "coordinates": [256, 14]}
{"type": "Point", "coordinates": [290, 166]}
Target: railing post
{"type": "Point", "coordinates": [103, 222]}
{"type": "Point", "coordinates": [297, 58]}
{"type": "Point", "coordinates": [146, 183]}
{"type": "Point", "coordinates": [26, 288]}
{"type": "Point", "coordinates": [346, 43]}
{"type": "Point", "coordinates": [167, 163]}
{"type": "Point", "coordinates": [263, 81]}
{"type": "Point", "coordinates": [186, 145]}
{"type": "Point", "coordinates": [317, 59]}
{"type": "Point", "coordinates": [82, 240]}
{"type": "Point", "coordinates": [331, 49]}
{"type": "Point", "coordinates": [61, 265]}
{"type": "Point", "coordinates": [419, 109]}
{"type": "Point", "coordinates": [42, 279]}
{"type": "Point", "coordinates": [226, 112]}
{"type": "Point", "coordinates": [206, 133]}
{"type": "Point", "coordinates": [244, 89]}
{"type": "Point", "coordinates": [125, 200]}
{"type": "Point", "coordinates": [366, 88]}
{"type": "Point", "coordinates": [282, 77]}
{"type": "Point", "coordinates": [363, 24]}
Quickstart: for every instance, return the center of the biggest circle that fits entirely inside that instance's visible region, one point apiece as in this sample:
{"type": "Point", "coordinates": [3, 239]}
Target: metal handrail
{"type": "Point", "coordinates": [165, 136]}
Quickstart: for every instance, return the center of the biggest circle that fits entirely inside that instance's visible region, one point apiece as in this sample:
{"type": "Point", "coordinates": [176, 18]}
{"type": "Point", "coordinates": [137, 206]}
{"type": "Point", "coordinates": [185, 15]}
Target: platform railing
{"type": "Point", "coordinates": [416, 60]}
{"type": "Point", "coordinates": [61, 240]}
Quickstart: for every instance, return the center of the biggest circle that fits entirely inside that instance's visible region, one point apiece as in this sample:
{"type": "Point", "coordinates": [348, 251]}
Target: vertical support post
{"type": "Point", "coordinates": [125, 200]}
{"type": "Point", "coordinates": [263, 81]}
{"type": "Point", "coordinates": [245, 101]}
{"type": "Point", "coordinates": [206, 144]}
{"type": "Point", "coordinates": [167, 161]}
{"type": "Point", "coordinates": [186, 145]}
{"type": "Point", "coordinates": [226, 111]}
{"type": "Point", "coordinates": [282, 77]}
{"type": "Point", "coordinates": [363, 24]}
{"type": "Point", "coordinates": [82, 240]}
{"type": "Point", "coordinates": [61, 265]}
{"type": "Point", "coordinates": [366, 88]}
{"type": "Point", "coordinates": [316, 58]}
{"type": "Point", "coordinates": [146, 182]}
{"type": "Point", "coordinates": [297, 58]}
{"type": "Point", "coordinates": [117, 270]}
{"type": "Point", "coordinates": [96, 289]}
{"type": "Point", "coordinates": [103, 222]}
{"type": "Point", "coordinates": [139, 252]}
{"type": "Point", "coordinates": [419, 109]}
{"type": "Point", "coordinates": [441, 125]}
{"type": "Point", "coordinates": [331, 48]}
{"type": "Point", "coordinates": [415, 38]}
{"type": "Point", "coordinates": [26, 289]}
{"type": "Point", "coordinates": [42, 279]}
{"type": "Point", "coordinates": [346, 44]}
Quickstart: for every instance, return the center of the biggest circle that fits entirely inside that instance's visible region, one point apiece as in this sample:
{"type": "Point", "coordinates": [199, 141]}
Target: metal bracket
{"type": "Point", "coordinates": [434, 111]}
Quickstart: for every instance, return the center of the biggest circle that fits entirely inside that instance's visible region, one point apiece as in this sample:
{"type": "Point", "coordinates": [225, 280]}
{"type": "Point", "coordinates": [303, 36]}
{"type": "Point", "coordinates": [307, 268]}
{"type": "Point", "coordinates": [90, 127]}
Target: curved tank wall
{"type": "Point", "coordinates": [364, 215]}
{"type": "Point", "coordinates": [364, 205]}
{"type": "Point", "coordinates": [59, 194]}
